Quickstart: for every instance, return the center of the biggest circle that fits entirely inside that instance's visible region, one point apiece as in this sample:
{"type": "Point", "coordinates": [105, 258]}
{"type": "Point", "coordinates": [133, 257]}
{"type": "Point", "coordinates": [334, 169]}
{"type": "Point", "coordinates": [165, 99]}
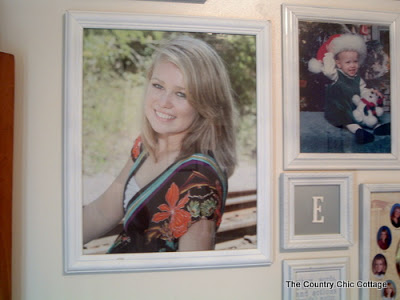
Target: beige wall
{"type": "Point", "coordinates": [32, 30]}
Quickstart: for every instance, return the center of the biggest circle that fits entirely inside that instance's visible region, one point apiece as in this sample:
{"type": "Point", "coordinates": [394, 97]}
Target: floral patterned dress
{"type": "Point", "coordinates": [160, 213]}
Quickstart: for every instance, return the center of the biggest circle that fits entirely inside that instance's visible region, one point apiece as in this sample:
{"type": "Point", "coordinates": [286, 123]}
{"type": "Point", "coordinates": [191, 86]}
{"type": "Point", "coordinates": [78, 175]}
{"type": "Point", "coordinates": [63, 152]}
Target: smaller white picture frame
{"type": "Point", "coordinates": [294, 158]}
{"type": "Point", "coordinates": [298, 275]}
{"type": "Point", "coordinates": [316, 210]}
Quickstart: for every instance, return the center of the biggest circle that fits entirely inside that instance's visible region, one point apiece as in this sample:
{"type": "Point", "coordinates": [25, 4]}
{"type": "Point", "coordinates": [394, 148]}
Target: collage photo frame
{"type": "Point", "coordinates": [380, 238]}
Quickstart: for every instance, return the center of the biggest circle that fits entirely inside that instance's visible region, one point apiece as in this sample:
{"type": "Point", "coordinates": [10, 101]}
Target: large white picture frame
{"type": "Point", "coordinates": [316, 210]}
{"type": "Point", "coordinates": [74, 259]}
{"type": "Point", "coordinates": [303, 152]}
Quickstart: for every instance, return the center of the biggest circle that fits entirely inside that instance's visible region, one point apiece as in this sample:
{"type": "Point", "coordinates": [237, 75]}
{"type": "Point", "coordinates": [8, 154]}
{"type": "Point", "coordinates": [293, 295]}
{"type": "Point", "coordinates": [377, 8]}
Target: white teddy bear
{"type": "Point", "coordinates": [368, 108]}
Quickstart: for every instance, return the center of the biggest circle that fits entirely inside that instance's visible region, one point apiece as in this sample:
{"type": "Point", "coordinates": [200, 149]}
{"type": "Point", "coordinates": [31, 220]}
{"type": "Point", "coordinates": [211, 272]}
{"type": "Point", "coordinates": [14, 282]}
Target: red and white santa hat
{"type": "Point", "coordinates": [338, 43]}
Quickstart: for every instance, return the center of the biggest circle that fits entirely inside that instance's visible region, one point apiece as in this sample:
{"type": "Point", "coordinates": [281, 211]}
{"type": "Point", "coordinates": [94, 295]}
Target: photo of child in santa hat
{"type": "Point", "coordinates": [340, 59]}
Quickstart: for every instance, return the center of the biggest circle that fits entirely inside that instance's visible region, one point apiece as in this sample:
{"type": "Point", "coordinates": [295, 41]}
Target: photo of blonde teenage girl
{"type": "Point", "coordinates": [395, 215]}
{"type": "Point", "coordinates": [171, 192]}
{"type": "Point", "coordinates": [379, 265]}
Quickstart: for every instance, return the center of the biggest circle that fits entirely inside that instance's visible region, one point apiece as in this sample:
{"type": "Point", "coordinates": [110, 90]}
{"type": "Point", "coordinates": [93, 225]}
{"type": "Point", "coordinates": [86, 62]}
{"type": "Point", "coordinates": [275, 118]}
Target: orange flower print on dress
{"type": "Point", "coordinates": [179, 219]}
{"type": "Point", "coordinates": [136, 148]}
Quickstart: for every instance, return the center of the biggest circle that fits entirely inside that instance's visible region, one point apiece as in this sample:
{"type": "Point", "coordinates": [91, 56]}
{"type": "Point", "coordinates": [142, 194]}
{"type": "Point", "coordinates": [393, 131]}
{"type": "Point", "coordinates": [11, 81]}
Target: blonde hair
{"type": "Point", "coordinates": [209, 92]}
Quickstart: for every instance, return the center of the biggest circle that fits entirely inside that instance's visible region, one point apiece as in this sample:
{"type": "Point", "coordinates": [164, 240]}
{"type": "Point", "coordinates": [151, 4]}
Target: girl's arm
{"type": "Point", "coordinates": [104, 213]}
{"type": "Point", "coordinates": [199, 237]}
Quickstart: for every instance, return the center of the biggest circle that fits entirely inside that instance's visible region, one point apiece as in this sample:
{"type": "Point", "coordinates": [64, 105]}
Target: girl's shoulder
{"type": "Point", "coordinates": [202, 161]}
{"type": "Point", "coordinates": [202, 167]}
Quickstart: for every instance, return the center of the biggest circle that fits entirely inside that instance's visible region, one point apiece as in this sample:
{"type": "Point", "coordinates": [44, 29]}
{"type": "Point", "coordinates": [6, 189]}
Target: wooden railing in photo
{"type": "Point", "coordinates": [239, 222]}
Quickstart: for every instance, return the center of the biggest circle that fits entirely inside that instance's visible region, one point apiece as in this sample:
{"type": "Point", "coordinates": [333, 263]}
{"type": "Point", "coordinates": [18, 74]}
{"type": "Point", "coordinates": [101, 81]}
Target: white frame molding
{"type": "Point", "coordinates": [74, 260]}
{"type": "Point", "coordinates": [291, 241]}
{"type": "Point", "coordinates": [293, 158]}
{"type": "Point", "coordinates": [292, 268]}
{"type": "Point", "coordinates": [365, 227]}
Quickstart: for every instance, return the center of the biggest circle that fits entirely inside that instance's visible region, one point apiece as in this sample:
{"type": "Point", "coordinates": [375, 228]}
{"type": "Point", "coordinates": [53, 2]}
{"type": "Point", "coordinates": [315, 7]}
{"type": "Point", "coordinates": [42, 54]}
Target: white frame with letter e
{"type": "Point", "coordinates": [294, 271]}
{"type": "Point", "coordinates": [289, 238]}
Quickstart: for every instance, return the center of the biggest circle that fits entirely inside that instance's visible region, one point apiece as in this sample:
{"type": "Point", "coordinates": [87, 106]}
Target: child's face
{"type": "Point", "coordinates": [379, 265]}
{"type": "Point", "coordinates": [347, 61]}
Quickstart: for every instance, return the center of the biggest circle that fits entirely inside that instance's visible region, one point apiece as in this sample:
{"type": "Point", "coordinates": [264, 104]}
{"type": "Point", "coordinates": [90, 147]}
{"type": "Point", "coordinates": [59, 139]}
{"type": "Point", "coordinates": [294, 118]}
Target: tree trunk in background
{"type": "Point", "coordinates": [6, 159]}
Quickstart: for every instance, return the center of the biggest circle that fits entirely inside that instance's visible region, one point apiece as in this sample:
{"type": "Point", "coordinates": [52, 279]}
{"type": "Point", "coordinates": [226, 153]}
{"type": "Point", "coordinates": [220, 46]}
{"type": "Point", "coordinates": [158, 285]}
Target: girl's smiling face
{"type": "Point", "coordinates": [379, 266]}
{"type": "Point", "coordinates": [166, 105]}
{"type": "Point", "coordinates": [347, 61]}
